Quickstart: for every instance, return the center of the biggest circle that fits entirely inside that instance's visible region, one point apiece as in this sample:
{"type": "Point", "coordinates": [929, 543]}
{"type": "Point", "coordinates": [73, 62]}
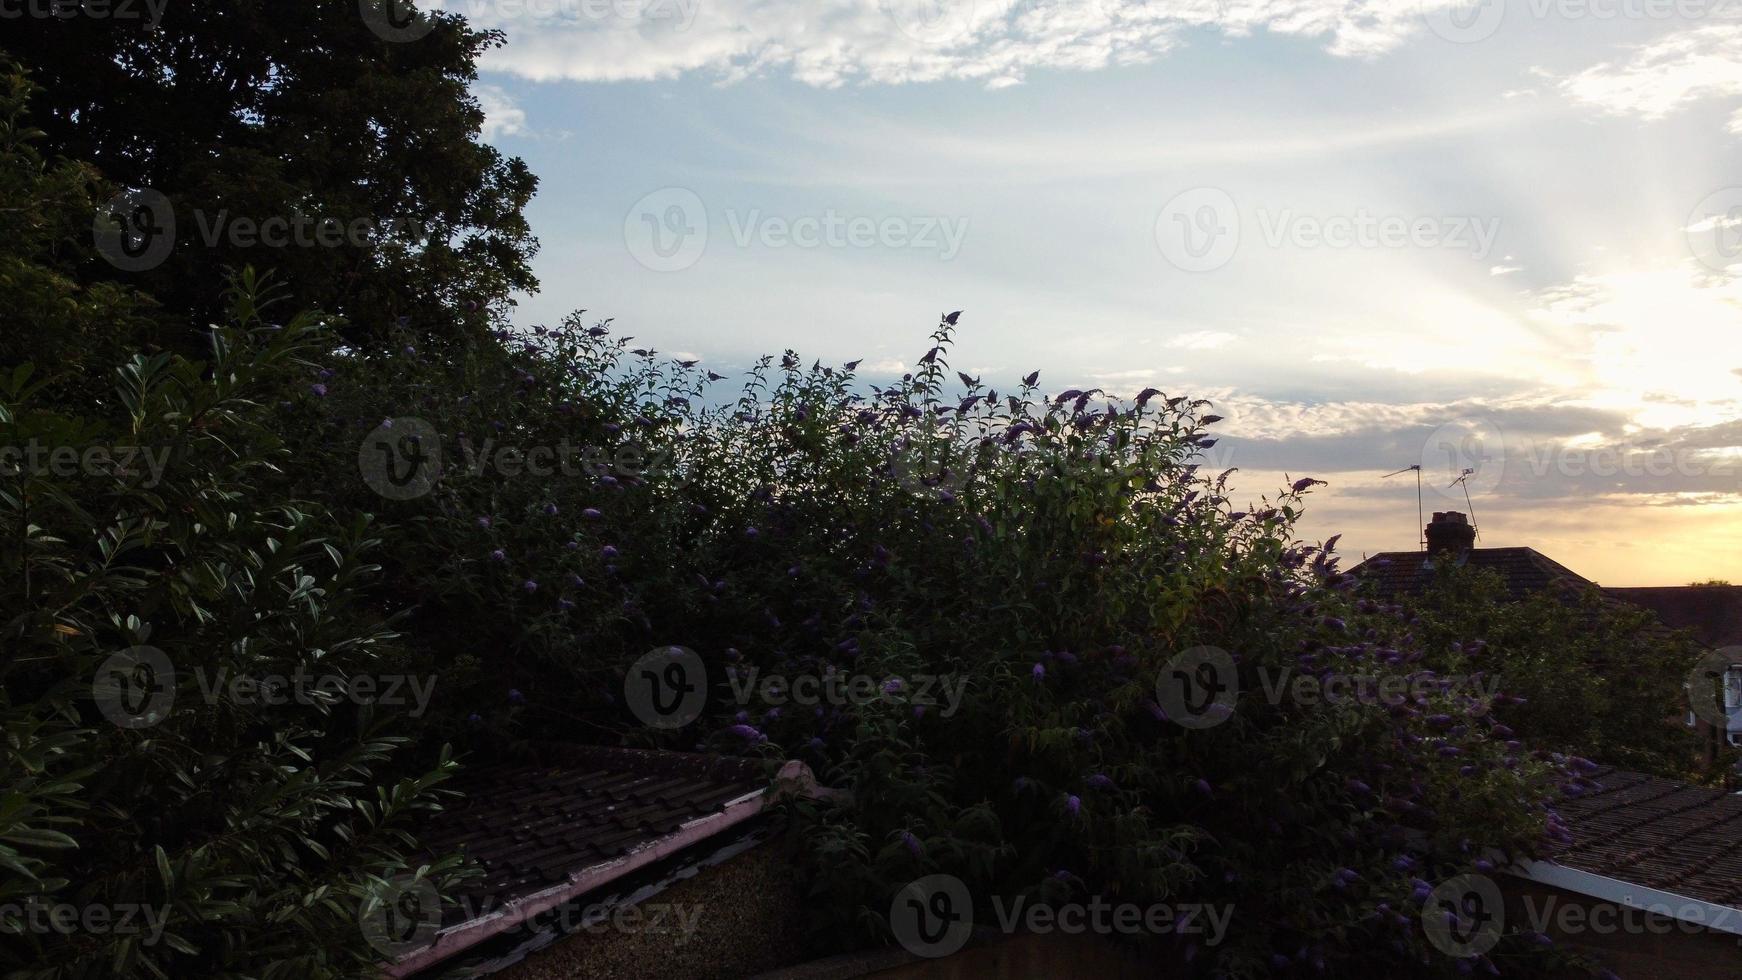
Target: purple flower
{"type": "Point", "coordinates": [591, 513]}
{"type": "Point", "coordinates": [498, 555]}
{"type": "Point", "coordinates": [529, 585]}
{"type": "Point", "coordinates": [1203, 786]}
{"type": "Point", "coordinates": [320, 390]}
{"type": "Point", "coordinates": [911, 843]}
{"type": "Point", "coordinates": [1073, 805]}
{"type": "Point", "coordinates": [747, 733]}
{"type": "Point", "coordinates": [1039, 672]}
{"type": "Point", "coordinates": [515, 697]}
{"type": "Point", "coordinates": [550, 510]}
{"type": "Point", "coordinates": [608, 552]}
{"type": "Point", "coordinates": [1100, 781]}
{"type": "Point", "coordinates": [483, 522]}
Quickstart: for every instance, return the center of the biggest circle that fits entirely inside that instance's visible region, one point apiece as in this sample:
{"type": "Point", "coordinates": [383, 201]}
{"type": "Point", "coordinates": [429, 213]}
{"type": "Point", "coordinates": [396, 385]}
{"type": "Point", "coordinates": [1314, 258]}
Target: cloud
{"type": "Point", "coordinates": [834, 42]}
{"type": "Point", "coordinates": [502, 116]}
{"type": "Point", "coordinates": [1666, 75]}
{"type": "Point", "coordinates": [1203, 340]}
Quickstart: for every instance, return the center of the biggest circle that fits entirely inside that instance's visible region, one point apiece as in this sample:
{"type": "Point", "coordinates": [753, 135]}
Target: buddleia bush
{"type": "Point", "coordinates": [1050, 556]}
{"type": "Point", "coordinates": [166, 811]}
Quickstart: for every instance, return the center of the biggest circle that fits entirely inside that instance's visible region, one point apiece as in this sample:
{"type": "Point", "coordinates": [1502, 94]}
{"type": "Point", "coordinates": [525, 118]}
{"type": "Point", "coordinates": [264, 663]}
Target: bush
{"type": "Point", "coordinates": [253, 835]}
{"type": "Point", "coordinates": [1053, 556]}
{"type": "Point", "coordinates": [1586, 674]}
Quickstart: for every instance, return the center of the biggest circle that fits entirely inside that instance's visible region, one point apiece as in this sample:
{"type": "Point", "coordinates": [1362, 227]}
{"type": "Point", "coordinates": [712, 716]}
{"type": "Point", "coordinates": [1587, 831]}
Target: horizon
{"type": "Point", "coordinates": [1497, 237]}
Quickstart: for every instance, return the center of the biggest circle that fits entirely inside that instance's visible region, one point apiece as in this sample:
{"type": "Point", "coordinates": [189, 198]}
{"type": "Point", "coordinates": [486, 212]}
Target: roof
{"type": "Point", "coordinates": [1654, 843]}
{"type": "Point", "coordinates": [1522, 570]}
{"type": "Point", "coordinates": [1713, 612]}
{"type": "Point", "coordinates": [575, 820]}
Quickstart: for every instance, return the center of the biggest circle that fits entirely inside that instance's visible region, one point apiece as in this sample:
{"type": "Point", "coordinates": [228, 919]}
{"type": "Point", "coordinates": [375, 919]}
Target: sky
{"type": "Point", "coordinates": [1502, 236]}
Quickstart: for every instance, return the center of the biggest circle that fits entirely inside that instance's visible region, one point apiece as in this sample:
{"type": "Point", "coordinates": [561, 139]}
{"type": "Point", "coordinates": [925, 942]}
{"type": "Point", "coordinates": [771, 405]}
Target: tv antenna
{"type": "Point", "coordinates": [1464, 478]}
{"type": "Point", "coordinates": [1421, 529]}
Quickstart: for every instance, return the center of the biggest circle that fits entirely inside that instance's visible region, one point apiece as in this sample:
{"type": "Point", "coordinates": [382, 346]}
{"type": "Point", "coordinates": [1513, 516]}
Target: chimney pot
{"type": "Point", "coordinates": [1450, 532]}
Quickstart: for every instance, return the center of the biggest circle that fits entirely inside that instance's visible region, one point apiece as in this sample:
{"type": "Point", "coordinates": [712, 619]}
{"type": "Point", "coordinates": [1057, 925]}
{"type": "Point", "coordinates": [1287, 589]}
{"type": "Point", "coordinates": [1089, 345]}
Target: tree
{"type": "Point", "coordinates": [46, 315]}
{"type": "Point", "coordinates": [299, 123]}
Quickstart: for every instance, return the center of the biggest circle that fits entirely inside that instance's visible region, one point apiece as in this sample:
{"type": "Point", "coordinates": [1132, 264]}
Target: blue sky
{"type": "Point", "coordinates": [1375, 233]}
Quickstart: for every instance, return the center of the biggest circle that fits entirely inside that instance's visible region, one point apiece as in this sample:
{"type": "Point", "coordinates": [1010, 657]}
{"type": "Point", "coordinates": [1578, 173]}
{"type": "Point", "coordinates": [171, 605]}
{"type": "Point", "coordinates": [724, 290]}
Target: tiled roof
{"type": "Point", "coordinates": [1658, 833]}
{"type": "Point", "coordinates": [1713, 612]}
{"type": "Point", "coordinates": [1523, 570]}
{"type": "Point", "coordinates": [577, 821]}
{"type": "Point", "coordinates": [533, 826]}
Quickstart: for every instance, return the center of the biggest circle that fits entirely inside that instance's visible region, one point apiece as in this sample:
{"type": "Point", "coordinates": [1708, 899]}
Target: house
{"type": "Point", "coordinates": [1713, 613]}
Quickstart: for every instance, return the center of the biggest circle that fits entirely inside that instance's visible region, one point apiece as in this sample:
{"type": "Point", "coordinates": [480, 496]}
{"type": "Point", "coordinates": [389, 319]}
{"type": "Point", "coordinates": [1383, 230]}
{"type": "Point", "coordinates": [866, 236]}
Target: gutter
{"type": "Point", "coordinates": [1722, 918]}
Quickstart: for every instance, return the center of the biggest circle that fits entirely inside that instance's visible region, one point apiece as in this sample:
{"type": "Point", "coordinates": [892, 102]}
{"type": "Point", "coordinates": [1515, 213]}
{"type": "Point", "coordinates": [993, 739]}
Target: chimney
{"type": "Point", "coordinates": [1451, 532]}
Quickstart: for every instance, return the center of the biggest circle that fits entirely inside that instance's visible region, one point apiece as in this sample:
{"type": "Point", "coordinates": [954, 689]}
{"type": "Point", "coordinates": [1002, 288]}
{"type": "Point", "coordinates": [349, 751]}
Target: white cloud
{"type": "Point", "coordinates": [834, 42]}
{"type": "Point", "coordinates": [1203, 340]}
{"type": "Point", "coordinates": [1666, 75]}
{"type": "Point", "coordinates": [502, 117]}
